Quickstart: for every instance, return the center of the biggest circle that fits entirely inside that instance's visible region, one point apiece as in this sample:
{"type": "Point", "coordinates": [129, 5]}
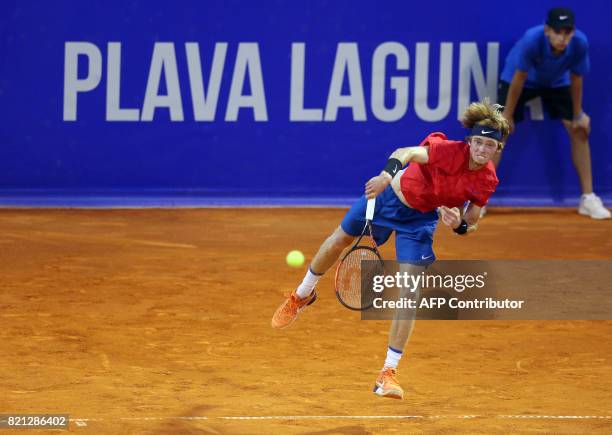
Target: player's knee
{"type": "Point", "coordinates": [339, 239]}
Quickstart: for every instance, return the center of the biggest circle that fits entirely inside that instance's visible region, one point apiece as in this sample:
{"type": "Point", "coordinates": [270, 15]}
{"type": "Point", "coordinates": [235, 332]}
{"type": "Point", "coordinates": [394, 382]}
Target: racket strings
{"type": "Point", "coordinates": [359, 266]}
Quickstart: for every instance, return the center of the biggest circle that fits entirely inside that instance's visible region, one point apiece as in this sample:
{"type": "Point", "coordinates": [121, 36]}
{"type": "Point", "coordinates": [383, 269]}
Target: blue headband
{"type": "Point", "coordinates": [483, 130]}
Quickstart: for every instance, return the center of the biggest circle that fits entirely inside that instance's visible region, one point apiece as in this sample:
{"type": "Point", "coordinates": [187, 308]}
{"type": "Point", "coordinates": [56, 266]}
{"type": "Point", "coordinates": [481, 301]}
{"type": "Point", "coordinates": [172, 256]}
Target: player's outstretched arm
{"type": "Point", "coordinates": [397, 161]}
{"type": "Point", "coordinates": [411, 154]}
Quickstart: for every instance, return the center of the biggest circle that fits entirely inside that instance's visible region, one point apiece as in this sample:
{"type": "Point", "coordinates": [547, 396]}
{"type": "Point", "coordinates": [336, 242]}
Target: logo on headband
{"type": "Point", "coordinates": [479, 130]}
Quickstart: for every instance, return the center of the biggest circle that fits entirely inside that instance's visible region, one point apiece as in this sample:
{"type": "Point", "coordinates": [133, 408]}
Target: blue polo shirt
{"type": "Point", "coordinates": [532, 53]}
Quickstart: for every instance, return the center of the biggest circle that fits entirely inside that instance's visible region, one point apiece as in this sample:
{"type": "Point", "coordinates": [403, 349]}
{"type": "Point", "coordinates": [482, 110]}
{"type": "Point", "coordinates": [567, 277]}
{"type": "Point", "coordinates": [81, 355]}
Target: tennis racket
{"type": "Point", "coordinates": [360, 264]}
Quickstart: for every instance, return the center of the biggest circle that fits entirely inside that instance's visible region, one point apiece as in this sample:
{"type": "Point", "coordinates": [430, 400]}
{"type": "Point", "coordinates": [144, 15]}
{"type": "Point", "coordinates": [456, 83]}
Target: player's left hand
{"type": "Point", "coordinates": [376, 185]}
{"type": "Point", "coordinates": [450, 216]}
{"type": "Point", "coordinates": [584, 123]}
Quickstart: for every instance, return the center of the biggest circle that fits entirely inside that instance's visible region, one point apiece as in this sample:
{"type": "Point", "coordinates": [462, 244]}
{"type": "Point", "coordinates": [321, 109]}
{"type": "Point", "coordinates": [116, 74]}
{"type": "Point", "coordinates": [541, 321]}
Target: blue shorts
{"type": "Point", "coordinates": [413, 229]}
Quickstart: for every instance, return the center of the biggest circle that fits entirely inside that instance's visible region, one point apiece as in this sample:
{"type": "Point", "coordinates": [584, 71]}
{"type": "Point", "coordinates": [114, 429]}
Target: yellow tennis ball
{"type": "Point", "coordinates": [295, 259]}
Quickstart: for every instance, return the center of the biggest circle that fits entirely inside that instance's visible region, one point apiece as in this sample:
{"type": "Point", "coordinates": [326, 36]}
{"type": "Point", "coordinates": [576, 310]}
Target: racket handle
{"type": "Point", "coordinates": [370, 209]}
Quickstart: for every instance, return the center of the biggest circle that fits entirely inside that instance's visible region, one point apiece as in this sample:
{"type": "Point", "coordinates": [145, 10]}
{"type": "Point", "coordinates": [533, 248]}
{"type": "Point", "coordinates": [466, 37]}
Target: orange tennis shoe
{"type": "Point", "coordinates": [387, 385]}
{"type": "Point", "coordinates": [286, 314]}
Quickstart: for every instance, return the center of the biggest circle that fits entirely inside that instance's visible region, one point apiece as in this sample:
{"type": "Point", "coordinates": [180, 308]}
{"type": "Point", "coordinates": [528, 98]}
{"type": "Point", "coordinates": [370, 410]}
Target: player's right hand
{"type": "Point", "coordinates": [376, 185]}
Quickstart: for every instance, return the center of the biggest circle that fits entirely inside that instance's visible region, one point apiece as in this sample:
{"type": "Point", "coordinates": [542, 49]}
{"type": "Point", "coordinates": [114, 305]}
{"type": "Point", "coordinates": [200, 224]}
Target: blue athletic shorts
{"type": "Point", "coordinates": [413, 229]}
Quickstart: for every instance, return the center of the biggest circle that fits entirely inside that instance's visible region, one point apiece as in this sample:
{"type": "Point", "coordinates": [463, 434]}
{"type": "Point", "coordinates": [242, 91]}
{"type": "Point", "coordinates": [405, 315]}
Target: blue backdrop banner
{"type": "Point", "coordinates": [267, 101]}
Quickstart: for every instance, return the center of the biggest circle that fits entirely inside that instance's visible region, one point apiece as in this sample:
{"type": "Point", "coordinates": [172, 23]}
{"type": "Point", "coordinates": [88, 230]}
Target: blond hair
{"type": "Point", "coordinates": [487, 114]}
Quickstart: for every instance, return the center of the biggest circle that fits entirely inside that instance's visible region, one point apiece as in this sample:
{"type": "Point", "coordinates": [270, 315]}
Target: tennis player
{"type": "Point", "coordinates": [443, 175]}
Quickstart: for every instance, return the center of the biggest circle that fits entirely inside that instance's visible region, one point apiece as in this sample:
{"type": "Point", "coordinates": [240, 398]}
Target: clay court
{"type": "Point", "coordinates": [156, 321]}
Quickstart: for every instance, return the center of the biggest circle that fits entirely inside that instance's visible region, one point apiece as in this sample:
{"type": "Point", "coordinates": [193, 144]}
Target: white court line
{"type": "Point", "coordinates": [560, 417]}
{"type": "Point", "coordinates": [321, 417]}
{"type": "Point", "coordinates": [83, 421]}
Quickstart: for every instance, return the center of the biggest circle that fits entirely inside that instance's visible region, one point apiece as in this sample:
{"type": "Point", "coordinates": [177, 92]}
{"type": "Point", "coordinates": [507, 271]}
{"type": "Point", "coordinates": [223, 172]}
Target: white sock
{"type": "Point", "coordinates": [393, 357]}
{"type": "Point", "coordinates": [308, 284]}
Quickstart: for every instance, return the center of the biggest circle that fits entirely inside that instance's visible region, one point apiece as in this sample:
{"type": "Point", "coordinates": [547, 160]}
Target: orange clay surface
{"type": "Point", "coordinates": [157, 321]}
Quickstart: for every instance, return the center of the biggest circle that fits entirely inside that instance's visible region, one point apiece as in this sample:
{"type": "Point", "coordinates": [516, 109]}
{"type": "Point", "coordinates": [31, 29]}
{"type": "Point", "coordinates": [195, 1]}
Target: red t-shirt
{"type": "Point", "coordinates": [446, 179]}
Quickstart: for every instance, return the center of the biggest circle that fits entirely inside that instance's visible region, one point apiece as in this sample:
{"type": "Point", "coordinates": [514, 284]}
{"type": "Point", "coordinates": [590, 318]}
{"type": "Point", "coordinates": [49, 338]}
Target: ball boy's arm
{"type": "Point", "coordinates": [514, 93]}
